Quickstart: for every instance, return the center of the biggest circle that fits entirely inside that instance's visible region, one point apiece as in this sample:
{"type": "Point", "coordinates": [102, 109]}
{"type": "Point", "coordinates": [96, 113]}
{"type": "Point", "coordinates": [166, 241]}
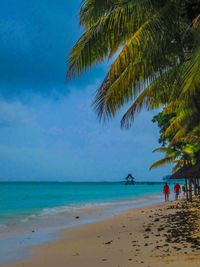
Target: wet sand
{"type": "Point", "coordinates": [161, 235]}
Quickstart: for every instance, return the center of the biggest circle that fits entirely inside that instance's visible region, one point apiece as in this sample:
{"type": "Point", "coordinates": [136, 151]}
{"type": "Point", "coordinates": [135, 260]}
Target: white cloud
{"type": "Point", "coordinates": [14, 114]}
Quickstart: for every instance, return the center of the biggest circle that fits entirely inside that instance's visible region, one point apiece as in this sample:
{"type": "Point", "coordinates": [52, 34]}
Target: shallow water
{"type": "Point", "coordinates": [32, 213]}
{"type": "Point", "coordinates": [20, 201]}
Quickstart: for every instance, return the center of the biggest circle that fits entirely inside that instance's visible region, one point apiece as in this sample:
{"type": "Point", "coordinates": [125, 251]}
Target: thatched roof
{"type": "Point", "coordinates": [188, 172]}
{"type": "Point", "coordinates": [129, 177]}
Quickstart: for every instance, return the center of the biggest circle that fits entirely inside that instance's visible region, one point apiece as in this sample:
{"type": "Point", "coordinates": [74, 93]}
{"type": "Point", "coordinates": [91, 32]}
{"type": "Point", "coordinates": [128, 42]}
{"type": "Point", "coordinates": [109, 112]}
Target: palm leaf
{"type": "Point", "coordinates": [161, 162]}
{"type": "Point", "coordinates": [136, 67]}
{"type": "Point", "coordinates": [105, 35]}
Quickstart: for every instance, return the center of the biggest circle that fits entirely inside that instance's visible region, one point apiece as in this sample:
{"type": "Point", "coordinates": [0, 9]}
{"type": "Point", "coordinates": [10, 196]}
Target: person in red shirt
{"type": "Point", "coordinates": [177, 190]}
{"type": "Point", "coordinates": [166, 191]}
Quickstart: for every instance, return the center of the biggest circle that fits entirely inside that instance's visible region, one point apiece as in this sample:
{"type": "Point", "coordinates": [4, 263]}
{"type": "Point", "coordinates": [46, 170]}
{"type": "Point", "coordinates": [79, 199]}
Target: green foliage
{"type": "Point", "coordinates": [163, 122]}
{"type": "Point", "coordinates": [179, 155]}
{"type": "Point", "coordinates": [157, 40]}
{"type": "Point", "coordinates": [157, 64]}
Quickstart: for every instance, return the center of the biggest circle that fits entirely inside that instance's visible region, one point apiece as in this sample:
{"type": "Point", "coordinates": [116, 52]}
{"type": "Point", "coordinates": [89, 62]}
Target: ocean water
{"type": "Point", "coordinates": [33, 213]}
{"type": "Point", "coordinates": [19, 200]}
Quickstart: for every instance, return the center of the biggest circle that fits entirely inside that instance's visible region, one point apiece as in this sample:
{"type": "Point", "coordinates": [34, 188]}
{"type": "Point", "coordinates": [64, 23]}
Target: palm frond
{"type": "Point", "coordinates": [161, 162]}
{"type": "Point", "coordinates": [110, 28]}
{"type": "Point", "coordinates": [135, 68]}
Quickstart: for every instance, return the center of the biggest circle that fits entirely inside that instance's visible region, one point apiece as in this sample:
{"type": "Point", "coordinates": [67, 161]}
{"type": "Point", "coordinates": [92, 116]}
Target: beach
{"type": "Point", "coordinates": [158, 235]}
{"type": "Point", "coordinates": [100, 133]}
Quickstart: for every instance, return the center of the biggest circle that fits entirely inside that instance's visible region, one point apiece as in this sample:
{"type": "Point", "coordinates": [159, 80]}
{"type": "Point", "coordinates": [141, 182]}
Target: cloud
{"type": "Point", "coordinates": [51, 140]}
{"type": "Point", "coordinates": [49, 130]}
{"type": "Point", "coordinates": [15, 114]}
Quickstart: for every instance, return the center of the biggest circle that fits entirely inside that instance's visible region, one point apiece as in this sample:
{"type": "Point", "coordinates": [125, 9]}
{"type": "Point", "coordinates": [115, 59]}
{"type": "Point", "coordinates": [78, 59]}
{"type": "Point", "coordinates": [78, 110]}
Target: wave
{"type": "Point", "coordinates": [87, 207]}
{"type": "Point", "coordinates": [96, 205]}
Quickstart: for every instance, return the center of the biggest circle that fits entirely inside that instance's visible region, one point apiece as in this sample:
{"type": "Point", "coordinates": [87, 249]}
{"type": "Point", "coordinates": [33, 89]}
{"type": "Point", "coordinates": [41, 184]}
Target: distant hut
{"type": "Point", "coordinates": [191, 174]}
{"type": "Point", "coordinates": [129, 179]}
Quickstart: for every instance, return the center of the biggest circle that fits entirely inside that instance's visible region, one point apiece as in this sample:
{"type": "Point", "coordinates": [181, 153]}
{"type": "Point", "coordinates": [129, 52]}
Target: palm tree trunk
{"type": "Point", "coordinates": [190, 190]}
{"type": "Point", "coordinates": [186, 189]}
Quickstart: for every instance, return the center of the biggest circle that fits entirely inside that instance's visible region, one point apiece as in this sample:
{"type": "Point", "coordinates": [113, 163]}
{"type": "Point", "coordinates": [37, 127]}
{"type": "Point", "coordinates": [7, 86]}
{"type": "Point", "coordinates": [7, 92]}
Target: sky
{"type": "Point", "coordinates": [48, 128]}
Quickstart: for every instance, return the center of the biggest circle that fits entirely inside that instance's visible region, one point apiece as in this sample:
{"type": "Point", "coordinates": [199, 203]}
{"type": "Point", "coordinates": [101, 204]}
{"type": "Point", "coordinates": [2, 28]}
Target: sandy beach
{"type": "Point", "coordinates": [155, 236]}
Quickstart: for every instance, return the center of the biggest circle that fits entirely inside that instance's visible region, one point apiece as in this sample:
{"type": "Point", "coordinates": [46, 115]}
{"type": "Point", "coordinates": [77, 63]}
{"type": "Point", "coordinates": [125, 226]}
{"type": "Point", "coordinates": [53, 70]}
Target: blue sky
{"type": "Point", "coordinates": [48, 129]}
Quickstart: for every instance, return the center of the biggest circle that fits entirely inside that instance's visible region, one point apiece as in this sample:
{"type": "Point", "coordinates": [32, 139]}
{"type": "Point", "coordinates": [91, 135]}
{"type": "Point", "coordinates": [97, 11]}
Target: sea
{"type": "Point", "coordinates": [32, 213]}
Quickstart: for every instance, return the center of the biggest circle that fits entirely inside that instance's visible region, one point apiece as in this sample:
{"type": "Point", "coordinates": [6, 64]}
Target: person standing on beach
{"type": "Point", "coordinates": [183, 189]}
{"type": "Point", "coordinates": [166, 191]}
{"type": "Point", "coordinates": [177, 189]}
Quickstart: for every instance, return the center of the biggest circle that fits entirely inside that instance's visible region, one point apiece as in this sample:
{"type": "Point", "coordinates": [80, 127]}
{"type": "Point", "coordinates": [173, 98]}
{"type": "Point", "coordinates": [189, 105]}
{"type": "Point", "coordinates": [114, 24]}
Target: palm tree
{"type": "Point", "coordinates": [185, 126]}
{"type": "Point", "coordinates": [157, 47]}
{"type": "Point", "coordinates": [177, 155]}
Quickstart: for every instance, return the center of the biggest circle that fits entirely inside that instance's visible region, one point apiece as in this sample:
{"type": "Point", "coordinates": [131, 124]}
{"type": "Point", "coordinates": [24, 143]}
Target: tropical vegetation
{"type": "Point", "coordinates": [177, 153]}
{"type": "Point", "coordinates": [156, 44]}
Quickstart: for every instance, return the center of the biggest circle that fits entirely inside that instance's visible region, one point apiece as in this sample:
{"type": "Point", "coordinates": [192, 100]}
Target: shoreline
{"type": "Point", "coordinates": [136, 237]}
{"type": "Point", "coordinates": [40, 231]}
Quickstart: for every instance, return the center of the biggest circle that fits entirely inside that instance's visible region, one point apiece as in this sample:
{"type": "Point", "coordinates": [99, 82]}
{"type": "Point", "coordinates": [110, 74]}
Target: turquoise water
{"type": "Point", "coordinates": [22, 199]}
{"type": "Point", "coordinates": [33, 213]}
